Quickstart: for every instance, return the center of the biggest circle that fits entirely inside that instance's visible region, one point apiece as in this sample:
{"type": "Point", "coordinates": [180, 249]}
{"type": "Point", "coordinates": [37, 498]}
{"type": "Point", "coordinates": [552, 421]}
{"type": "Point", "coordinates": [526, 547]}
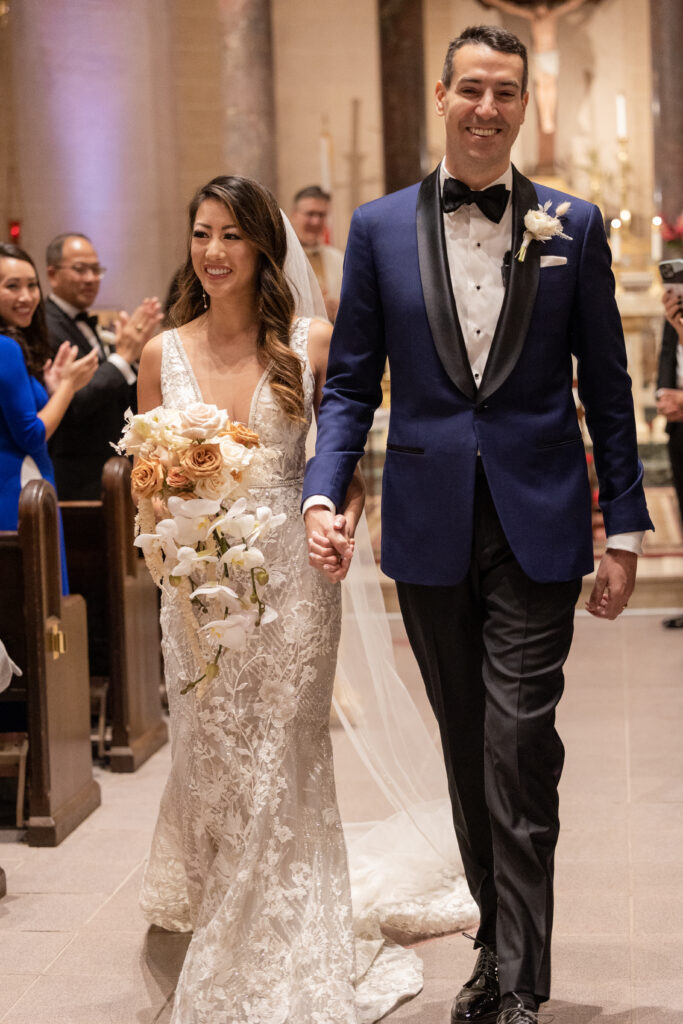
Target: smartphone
{"type": "Point", "coordinates": [671, 272]}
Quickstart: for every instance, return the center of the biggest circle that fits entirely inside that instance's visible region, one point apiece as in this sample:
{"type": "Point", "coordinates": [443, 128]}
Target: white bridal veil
{"type": "Point", "coordinates": [406, 873]}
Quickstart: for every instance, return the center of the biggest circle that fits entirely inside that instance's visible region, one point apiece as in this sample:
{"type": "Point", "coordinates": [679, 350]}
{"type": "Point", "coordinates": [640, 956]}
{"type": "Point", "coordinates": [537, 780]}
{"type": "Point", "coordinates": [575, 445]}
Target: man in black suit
{"type": "Point", "coordinates": [670, 398]}
{"type": "Point", "coordinates": [81, 444]}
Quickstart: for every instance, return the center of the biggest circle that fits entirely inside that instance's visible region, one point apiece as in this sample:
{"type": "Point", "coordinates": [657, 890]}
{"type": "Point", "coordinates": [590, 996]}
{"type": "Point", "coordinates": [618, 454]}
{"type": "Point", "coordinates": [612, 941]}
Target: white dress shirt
{"type": "Point", "coordinates": [476, 248]}
{"type": "Point", "coordinates": [125, 369]}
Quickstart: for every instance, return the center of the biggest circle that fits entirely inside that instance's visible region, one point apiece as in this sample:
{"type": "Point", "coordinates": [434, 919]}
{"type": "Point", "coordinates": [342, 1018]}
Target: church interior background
{"type": "Point", "coordinates": [113, 113]}
{"type": "Point", "coordinates": [123, 109]}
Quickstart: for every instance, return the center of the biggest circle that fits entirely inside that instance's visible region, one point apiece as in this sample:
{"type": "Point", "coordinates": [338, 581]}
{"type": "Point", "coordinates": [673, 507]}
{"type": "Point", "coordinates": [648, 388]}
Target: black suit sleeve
{"type": "Point", "coordinates": [666, 376]}
{"type": "Point", "coordinates": [108, 387]}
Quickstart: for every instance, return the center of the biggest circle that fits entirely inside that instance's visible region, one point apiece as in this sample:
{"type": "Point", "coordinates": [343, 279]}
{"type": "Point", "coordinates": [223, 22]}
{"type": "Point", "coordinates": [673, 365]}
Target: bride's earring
{"type": "Point", "coordinates": [206, 304]}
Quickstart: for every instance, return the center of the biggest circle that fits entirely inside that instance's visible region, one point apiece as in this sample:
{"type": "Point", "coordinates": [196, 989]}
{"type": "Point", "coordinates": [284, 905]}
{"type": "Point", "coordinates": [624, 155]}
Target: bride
{"type": "Point", "coordinates": [248, 851]}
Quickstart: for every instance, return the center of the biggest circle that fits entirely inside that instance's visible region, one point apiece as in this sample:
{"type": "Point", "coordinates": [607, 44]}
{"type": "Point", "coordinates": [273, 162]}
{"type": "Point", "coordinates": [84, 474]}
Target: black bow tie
{"type": "Point", "coordinates": [491, 201]}
{"type": "Point", "coordinates": [90, 319]}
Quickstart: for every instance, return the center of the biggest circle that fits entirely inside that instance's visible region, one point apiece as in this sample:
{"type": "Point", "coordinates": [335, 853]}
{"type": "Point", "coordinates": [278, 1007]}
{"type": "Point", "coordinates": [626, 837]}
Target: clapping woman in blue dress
{"type": "Point", "coordinates": [35, 391]}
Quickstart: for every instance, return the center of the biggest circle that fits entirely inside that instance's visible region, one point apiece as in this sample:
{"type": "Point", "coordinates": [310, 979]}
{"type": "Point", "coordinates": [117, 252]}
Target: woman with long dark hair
{"type": "Point", "coordinates": [35, 391]}
{"type": "Point", "coordinates": [248, 851]}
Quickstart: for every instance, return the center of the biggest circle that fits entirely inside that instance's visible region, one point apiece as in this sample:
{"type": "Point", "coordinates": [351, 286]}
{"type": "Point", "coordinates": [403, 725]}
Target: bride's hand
{"type": "Point", "coordinates": [325, 550]}
{"type": "Point", "coordinates": [329, 547]}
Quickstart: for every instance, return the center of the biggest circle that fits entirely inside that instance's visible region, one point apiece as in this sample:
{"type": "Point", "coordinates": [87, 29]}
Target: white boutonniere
{"type": "Point", "coordinates": [541, 225]}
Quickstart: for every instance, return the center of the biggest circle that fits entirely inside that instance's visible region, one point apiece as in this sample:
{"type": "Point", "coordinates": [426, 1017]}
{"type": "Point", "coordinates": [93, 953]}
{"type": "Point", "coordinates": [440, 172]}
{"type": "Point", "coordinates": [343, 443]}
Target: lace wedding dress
{"type": "Point", "coordinates": [248, 851]}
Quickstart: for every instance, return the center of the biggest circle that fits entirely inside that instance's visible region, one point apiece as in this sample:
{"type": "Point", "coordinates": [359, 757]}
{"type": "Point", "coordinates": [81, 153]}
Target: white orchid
{"type": "Point", "coordinates": [150, 543]}
{"type": "Point", "coordinates": [192, 519]}
{"type": "Point", "coordinates": [232, 632]}
{"type": "Point", "coordinates": [541, 226]}
{"type": "Point", "coordinates": [239, 556]}
{"type": "Point", "coordinates": [190, 560]}
{"type": "Point", "coordinates": [266, 521]}
{"type": "Point", "coordinates": [226, 596]}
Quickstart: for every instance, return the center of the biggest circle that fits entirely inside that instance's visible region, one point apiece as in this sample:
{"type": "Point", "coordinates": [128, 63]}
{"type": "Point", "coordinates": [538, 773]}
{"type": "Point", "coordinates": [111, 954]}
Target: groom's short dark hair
{"type": "Point", "coordinates": [486, 35]}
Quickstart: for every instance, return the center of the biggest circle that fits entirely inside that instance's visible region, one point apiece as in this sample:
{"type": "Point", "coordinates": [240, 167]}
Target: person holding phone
{"type": "Point", "coordinates": [670, 382]}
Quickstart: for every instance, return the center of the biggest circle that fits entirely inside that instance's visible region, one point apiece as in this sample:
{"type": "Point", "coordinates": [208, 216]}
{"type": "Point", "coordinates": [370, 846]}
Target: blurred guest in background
{"type": "Point", "coordinates": [309, 220]}
{"type": "Point", "coordinates": [28, 417]}
{"type": "Point", "coordinates": [81, 446]}
{"type": "Point", "coordinates": [670, 397]}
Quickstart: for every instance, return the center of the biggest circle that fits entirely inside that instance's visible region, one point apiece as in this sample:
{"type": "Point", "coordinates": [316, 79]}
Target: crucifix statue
{"type": "Point", "coordinates": [545, 62]}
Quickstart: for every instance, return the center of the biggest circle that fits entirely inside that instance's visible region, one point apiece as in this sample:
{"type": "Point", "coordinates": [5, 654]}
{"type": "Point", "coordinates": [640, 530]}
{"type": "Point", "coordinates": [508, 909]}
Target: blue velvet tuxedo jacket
{"type": "Point", "coordinates": [397, 302]}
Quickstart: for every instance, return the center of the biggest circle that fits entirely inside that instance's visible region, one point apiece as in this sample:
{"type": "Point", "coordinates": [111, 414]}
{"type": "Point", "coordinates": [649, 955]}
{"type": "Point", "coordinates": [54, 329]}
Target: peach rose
{"type": "Point", "coordinates": [146, 479]}
{"type": "Point", "coordinates": [243, 435]}
{"type": "Point", "coordinates": [176, 478]}
{"type": "Point", "coordinates": [201, 460]}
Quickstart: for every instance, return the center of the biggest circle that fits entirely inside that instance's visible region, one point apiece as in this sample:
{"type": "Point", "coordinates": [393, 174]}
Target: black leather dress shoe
{"type": "Point", "coordinates": [518, 1013]}
{"type": "Point", "coordinates": [478, 1000]}
{"type": "Point", "coordinates": [676, 623]}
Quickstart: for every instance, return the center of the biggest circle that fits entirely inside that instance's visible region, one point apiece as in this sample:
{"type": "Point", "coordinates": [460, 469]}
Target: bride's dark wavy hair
{"type": "Point", "coordinates": [257, 215]}
{"type": "Point", "coordinates": [32, 339]}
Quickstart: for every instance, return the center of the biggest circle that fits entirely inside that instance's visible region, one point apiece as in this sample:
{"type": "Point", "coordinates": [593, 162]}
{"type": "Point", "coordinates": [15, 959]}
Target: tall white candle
{"type": "Point", "coordinates": [615, 240]}
{"type": "Point", "coordinates": [622, 132]}
{"type": "Point", "coordinates": [326, 161]}
{"type": "Point", "coordinates": [656, 239]}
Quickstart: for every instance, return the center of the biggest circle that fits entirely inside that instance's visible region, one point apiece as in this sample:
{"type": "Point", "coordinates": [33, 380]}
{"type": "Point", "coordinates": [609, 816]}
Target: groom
{"type": "Point", "coordinates": [486, 523]}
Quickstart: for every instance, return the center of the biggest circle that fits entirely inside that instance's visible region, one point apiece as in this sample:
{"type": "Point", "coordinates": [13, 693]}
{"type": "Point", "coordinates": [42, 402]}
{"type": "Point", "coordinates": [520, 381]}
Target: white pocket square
{"type": "Point", "coordinates": [553, 261]}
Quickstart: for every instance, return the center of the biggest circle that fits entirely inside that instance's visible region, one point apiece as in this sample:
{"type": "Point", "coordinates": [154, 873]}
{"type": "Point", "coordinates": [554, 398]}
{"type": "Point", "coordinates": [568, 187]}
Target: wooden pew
{"type": "Point", "coordinates": [45, 634]}
{"type": "Point", "coordinates": [123, 614]}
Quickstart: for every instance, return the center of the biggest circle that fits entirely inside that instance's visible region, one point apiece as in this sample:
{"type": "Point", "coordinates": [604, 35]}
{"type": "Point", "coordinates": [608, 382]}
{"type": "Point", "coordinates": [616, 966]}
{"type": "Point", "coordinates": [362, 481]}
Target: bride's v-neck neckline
{"type": "Point", "coordinates": [188, 366]}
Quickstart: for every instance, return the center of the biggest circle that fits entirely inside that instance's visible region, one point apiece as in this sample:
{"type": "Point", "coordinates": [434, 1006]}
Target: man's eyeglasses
{"type": "Point", "coordinates": [82, 269]}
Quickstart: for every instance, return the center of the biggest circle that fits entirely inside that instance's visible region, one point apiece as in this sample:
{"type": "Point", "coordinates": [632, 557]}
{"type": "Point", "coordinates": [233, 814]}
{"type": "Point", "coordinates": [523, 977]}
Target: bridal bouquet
{"type": "Point", "coordinates": [197, 525]}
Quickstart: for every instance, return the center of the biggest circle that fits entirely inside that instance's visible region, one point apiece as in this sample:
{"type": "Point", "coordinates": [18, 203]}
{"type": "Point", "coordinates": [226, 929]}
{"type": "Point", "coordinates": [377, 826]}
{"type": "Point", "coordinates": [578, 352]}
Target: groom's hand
{"type": "Point", "coordinates": [330, 549]}
{"type": "Point", "coordinates": [614, 583]}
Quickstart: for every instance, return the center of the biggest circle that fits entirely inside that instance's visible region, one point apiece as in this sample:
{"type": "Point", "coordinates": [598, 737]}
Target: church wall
{"type": "Point", "coordinates": [93, 134]}
{"type": "Point", "coordinates": [327, 56]}
{"type": "Point", "coordinates": [604, 49]}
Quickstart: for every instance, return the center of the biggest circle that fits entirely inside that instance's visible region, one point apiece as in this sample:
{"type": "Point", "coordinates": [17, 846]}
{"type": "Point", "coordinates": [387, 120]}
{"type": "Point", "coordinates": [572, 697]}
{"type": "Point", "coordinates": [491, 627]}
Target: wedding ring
{"type": "Point", "coordinates": [138, 328]}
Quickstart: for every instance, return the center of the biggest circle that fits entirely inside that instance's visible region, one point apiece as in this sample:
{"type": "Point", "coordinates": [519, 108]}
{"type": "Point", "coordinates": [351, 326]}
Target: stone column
{"type": "Point", "coordinates": [403, 92]}
{"type": "Point", "coordinates": [250, 142]}
{"type": "Point", "coordinates": [667, 105]}
{"type": "Point", "coordinates": [95, 150]}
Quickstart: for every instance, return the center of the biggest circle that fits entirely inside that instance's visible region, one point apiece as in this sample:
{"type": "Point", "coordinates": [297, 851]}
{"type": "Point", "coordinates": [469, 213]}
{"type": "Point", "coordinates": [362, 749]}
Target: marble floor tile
{"type": "Point", "coordinates": [74, 948]}
{"type": "Point", "coordinates": [12, 987]}
{"type": "Point", "coordinates": [30, 952]}
{"type": "Point", "coordinates": [56, 912]}
{"type": "Point", "coordinates": [87, 1000]}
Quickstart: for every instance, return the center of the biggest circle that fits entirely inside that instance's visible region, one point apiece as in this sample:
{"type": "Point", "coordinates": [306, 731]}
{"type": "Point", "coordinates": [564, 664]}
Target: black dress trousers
{"type": "Point", "coordinates": [491, 651]}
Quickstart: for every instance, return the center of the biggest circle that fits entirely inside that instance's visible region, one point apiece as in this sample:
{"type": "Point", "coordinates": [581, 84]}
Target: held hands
{"type": "Point", "coordinates": [614, 583]}
{"type": "Point", "coordinates": [67, 369]}
{"type": "Point", "coordinates": [330, 542]}
{"type": "Point", "coordinates": [133, 332]}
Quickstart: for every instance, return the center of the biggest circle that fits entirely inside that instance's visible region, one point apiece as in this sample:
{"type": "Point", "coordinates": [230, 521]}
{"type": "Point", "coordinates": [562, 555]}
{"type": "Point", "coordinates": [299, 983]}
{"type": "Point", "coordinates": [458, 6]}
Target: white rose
{"type": "Point", "coordinates": [199, 421]}
{"type": "Point", "coordinates": [235, 456]}
{"type": "Point", "coordinates": [216, 488]}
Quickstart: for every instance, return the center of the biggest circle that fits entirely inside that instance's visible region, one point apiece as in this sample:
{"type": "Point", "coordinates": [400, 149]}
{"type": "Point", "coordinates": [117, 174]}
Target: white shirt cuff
{"type": "Point", "coordinates": [318, 499]}
{"type": "Point", "coordinates": [124, 368]}
{"type": "Point", "coordinates": [627, 542]}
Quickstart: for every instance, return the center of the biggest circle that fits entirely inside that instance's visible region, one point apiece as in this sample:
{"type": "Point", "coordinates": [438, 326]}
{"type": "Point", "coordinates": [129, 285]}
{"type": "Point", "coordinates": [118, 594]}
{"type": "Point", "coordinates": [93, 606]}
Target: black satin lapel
{"type": "Point", "coordinates": [436, 288]}
{"type": "Point", "coordinates": [520, 296]}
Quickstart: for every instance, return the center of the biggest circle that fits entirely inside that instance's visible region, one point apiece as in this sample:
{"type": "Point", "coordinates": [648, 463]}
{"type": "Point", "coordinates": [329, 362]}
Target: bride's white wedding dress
{"type": "Point", "coordinates": [248, 851]}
